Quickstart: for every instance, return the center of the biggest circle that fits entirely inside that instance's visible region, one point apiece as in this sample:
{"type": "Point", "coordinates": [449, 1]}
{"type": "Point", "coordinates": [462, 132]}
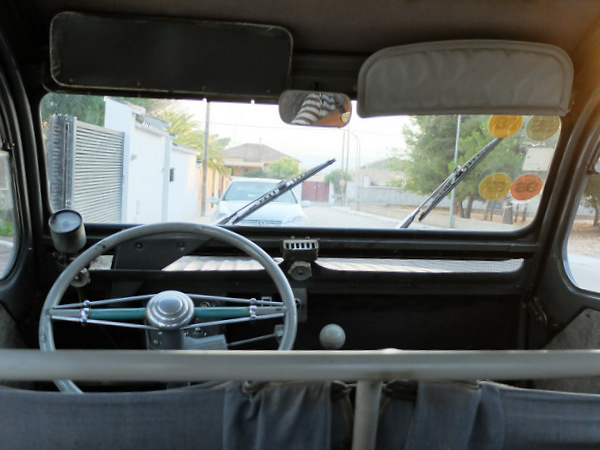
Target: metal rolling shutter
{"type": "Point", "coordinates": [58, 160]}
{"type": "Point", "coordinates": [86, 169]}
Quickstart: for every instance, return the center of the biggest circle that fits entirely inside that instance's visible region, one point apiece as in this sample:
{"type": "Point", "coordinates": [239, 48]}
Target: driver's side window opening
{"type": "Point", "coordinates": [8, 234]}
{"type": "Point", "coordinates": [583, 248]}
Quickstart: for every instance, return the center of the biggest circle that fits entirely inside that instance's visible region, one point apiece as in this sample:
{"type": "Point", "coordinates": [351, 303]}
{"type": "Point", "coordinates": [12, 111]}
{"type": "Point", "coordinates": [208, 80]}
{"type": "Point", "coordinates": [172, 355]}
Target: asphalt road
{"type": "Point", "coordinates": [323, 215]}
{"type": "Point", "coordinates": [336, 217]}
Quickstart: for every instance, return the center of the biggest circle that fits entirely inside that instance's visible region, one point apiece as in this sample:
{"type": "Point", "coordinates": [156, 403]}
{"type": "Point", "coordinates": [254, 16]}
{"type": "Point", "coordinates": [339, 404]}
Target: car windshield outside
{"type": "Point", "coordinates": [246, 190]}
{"type": "Point", "coordinates": [125, 160]}
{"type": "Point", "coordinates": [283, 210]}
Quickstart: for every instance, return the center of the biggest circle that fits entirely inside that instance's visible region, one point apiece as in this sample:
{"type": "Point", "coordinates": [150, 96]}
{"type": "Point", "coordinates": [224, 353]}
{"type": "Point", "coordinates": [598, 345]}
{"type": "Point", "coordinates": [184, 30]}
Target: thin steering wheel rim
{"type": "Point", "coordinates": [62, 283]}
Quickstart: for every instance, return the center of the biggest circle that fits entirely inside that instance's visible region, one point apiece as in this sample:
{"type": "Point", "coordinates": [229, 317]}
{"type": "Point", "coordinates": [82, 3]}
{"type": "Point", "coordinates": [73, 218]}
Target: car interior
{"type": "Point", "coordinates": [436, 286]}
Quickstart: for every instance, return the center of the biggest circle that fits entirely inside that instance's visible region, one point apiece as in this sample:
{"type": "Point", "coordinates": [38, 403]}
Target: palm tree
{"type": "Point", "coordinates": [186, 130]}
{"type": "Point", "coordinates": [189, 133]}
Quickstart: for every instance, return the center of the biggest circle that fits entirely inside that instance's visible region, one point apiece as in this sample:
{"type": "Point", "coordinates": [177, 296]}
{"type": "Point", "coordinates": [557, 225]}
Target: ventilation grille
{"type": "Point", "coordinates": [300, 249]}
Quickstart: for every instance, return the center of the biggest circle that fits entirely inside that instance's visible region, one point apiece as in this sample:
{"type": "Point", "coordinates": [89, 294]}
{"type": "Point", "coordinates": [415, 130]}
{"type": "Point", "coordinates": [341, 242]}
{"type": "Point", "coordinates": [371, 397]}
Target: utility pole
{"type": "Point", "coordinates": [342, 181]}
{"type": "Point", "coordinates": [455, 164]}
{"type": "Point", "coordinates": [346, 167]}
{"type": "Point", "coordinates": [205, 160]}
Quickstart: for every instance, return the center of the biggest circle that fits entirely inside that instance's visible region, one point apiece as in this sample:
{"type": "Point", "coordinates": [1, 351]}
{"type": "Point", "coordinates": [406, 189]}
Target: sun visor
{"type": "Point", "coordinates": [466, 76]}
{"type": "Point", "coordinates": [169, 56]}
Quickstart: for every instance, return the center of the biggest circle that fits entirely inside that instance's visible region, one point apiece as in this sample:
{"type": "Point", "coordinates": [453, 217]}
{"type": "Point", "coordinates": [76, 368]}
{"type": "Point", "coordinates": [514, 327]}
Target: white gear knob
{"type": "Point", "coordinates": [332, 337]}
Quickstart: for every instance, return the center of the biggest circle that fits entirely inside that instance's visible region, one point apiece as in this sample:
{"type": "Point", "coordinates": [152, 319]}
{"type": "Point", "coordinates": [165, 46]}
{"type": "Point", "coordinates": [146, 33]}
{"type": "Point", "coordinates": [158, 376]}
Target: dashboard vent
{"type": "Point", "coordinates": [300, 249]}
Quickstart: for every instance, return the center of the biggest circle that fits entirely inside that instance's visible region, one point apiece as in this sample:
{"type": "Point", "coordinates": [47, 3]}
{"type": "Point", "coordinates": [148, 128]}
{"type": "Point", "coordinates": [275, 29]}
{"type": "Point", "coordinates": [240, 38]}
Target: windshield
{"type": "Point", "coordinates": [123, 160]}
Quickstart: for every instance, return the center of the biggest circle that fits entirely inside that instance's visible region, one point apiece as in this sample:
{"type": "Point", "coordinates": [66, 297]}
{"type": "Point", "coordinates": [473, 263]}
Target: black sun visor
{"type": "Point", "coordinates": [169, 56]}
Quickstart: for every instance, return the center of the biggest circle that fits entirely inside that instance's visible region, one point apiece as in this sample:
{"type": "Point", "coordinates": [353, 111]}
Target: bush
{"type": "Point", "coordinates": [7, 229]}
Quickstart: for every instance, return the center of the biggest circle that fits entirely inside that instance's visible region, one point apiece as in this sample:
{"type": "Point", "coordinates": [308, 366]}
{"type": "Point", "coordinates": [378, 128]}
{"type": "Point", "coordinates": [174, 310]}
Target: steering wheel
{"type": "Point", "coordinates": [166, 312]}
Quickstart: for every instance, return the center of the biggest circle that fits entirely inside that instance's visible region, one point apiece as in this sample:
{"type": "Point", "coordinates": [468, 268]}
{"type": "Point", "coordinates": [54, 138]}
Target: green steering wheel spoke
{"type": "Point", "coordinates": [126, 314]}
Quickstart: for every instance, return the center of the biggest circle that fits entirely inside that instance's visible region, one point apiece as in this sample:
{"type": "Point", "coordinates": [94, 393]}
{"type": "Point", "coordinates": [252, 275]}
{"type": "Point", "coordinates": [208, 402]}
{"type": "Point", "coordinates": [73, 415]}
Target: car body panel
{"type": "Point", "coordinates": [285, 210]}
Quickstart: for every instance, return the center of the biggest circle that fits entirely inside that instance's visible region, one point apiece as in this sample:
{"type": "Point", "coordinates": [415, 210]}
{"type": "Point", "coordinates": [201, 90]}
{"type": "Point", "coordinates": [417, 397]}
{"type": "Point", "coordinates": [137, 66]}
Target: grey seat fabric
{"type": "Point", "coordinates": [277, 416]}
{"type": "Point", "coordinates": [295, 415]}
{"type": "Point", "coordinates": [486, 416]}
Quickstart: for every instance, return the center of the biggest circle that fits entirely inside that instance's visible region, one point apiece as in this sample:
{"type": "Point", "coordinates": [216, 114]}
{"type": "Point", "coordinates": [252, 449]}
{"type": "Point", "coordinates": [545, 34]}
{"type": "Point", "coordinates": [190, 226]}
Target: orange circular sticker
{"type": "Point", "coordinates": [540, 128]}
{"type": "Point", "coordinates": [494, 186]}
{"type": "Point", "coordinates": [504, 126]}
{"type": "Point", "coordinates": [526, 187]}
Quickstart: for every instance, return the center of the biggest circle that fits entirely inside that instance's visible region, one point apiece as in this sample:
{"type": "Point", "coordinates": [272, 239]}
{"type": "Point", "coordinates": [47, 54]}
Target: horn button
{"type": "Point", "coordinates": [170, 310]}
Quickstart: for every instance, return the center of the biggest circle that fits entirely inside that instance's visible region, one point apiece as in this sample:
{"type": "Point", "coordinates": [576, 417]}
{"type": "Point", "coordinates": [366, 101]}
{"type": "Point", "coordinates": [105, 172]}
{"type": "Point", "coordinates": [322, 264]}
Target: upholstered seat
{"type": "Point", "coordinates": [486, 416]}
{"type": "Point", "coordinates": [274, 416]}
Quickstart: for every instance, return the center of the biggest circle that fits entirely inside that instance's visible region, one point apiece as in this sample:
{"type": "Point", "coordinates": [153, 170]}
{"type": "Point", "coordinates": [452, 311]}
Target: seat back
{"type": "Point", "coordinates": [274, 416]}
{"type": "Point", "coordinates": [486, 416]}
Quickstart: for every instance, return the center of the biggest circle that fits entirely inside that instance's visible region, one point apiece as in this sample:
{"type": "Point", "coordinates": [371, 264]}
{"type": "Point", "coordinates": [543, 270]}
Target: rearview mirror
{"type": "Point", "coordinates": [324, 109]}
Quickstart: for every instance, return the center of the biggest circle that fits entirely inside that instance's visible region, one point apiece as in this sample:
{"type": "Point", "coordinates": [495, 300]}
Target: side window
{"type": "Point", "coordinates": [7, 216]}
{"type": "Point", "coordinates": [584, 240]}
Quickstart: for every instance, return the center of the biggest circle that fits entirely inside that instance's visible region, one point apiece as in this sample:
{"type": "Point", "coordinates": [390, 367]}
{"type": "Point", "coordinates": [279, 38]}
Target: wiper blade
{"type": "Point", "coordinates": [281, 188]}
{"type": "Point", "coordinates": [447, 185]}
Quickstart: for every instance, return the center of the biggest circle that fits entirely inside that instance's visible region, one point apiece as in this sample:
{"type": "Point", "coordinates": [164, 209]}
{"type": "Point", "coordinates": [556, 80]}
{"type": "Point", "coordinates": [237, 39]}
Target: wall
{"type": "Point", "coordinates": [183, 187]}
{"type": "Point", "coordinates": [215, 187]}
{"type": "Point", "coordinates": [316, 191]}
{"type": "Point", "coordinates": [145, 177]}
{"type": "Point", "coordinates": [149, 154]}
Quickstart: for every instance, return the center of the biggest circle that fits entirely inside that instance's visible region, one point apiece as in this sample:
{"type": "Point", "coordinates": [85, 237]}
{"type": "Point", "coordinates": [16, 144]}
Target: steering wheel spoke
{"type": "Point", "coordinates": [204, 316]}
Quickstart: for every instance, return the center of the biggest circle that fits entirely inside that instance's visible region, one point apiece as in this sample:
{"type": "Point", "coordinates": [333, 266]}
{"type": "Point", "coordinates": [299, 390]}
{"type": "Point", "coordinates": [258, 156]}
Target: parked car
{"type": "Point", "coordinates": [285, 210]}
{"type": "Point", "coordinates": [410, 313]}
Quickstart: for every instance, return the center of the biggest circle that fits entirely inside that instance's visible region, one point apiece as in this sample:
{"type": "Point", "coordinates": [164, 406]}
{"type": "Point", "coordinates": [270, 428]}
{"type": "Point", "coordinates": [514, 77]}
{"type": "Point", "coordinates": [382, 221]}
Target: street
{"type": "Point", "coordinates": [342, 217]}
{"type": "Point", "coordinates": [328, 216]}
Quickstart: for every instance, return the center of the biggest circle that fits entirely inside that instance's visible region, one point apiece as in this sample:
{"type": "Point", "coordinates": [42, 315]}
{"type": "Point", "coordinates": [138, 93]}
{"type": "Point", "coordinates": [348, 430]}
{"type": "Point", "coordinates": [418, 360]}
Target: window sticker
{"type": "Point", "coordinates": [526, 187]}
{"type": "Point", "coordinates": [495, 186]}
{"type": "Point", "coordinates": [542, 128]}
{"type": "Point", "coordinates": [504, 126]}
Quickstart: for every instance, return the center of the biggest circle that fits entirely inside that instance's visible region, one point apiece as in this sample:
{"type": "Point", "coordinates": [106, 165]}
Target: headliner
{"type": "Point", "coordinates": [362, 27]}
{"type": "Point", "coordinates": [321, 29]}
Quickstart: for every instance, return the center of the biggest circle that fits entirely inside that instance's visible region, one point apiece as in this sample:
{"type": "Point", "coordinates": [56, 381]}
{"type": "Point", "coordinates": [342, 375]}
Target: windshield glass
{"type": "Point", "coordinates": [124, 160]}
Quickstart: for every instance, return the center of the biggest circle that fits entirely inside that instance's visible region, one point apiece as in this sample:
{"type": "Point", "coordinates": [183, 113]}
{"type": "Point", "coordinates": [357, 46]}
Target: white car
{"type": "Point", "coordinates": [285, 210]}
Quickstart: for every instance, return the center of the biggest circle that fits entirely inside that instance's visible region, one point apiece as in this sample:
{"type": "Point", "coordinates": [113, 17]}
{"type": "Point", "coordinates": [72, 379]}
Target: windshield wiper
{"type": "Point", "coordinates": [448, 184]}
{"type": "Point", "coordinates": [281, 188]}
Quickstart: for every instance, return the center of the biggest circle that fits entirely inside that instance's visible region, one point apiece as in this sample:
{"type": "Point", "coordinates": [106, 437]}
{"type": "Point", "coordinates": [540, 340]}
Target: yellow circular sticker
{"type": "Point", "coordinates": [494, 186]}
{"type": "Point", "coordinates": [540, 128]}
{"type": "Point", "coordinates": [504, 126]}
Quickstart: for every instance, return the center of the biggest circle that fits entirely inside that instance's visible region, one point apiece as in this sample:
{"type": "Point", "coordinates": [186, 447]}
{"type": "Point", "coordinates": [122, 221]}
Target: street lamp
{"type": "Point", "coordinates": [345, 163]}
{"type": "Point", "coordinates": [357, 168]}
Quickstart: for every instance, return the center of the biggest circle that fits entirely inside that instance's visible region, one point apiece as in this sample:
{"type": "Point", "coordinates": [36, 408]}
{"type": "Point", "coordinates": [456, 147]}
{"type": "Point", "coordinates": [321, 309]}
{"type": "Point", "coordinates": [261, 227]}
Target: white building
{"type": "Point", "coordinates": [159, 177]}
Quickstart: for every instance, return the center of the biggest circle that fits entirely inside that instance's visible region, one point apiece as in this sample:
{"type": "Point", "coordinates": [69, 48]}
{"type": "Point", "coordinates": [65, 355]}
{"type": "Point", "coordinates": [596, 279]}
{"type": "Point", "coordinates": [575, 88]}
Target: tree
{"type": "Point", "coordinates": [87, 108]}
{"type": "Point", "coordinates": [591, 197]}
{"type": "Point", "coordinates": [284, 168]}
{"type": "Point", "coordinates": [258, 173]}
{"type": "Point", "coordinates": [187, 131]}
{"type": "Point", "coordinates": [334, 177]}
{"type": "Point", "coordinates": [430, 158]}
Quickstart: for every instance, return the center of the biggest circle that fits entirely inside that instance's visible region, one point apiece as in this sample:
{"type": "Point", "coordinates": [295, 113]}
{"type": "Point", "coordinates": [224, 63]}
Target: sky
{"type": "Point", "coordinates": [370, 139]}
